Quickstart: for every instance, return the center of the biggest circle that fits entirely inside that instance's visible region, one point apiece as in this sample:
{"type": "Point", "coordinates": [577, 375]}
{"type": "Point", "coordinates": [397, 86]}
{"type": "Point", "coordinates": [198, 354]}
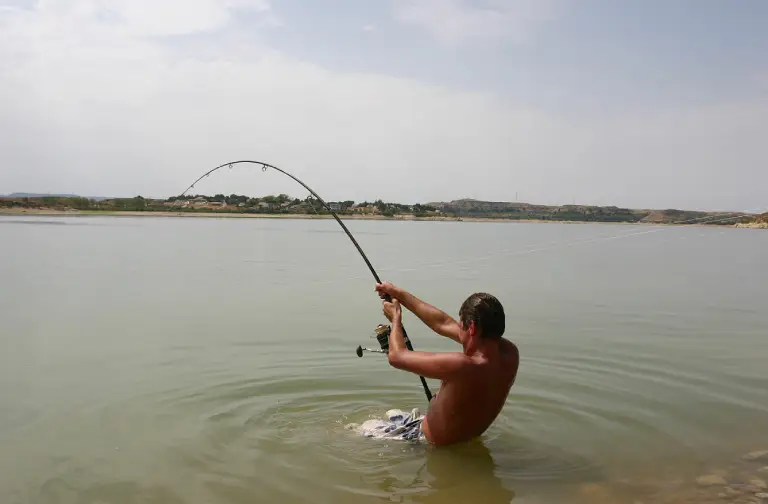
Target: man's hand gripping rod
{"type": "Point", "coordinates": [382, 335]}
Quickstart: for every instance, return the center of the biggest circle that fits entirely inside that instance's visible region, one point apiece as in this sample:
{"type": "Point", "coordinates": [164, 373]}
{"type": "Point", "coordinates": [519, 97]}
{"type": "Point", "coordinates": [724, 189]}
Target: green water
{"type": "Point", "coordinates": [171, 360]}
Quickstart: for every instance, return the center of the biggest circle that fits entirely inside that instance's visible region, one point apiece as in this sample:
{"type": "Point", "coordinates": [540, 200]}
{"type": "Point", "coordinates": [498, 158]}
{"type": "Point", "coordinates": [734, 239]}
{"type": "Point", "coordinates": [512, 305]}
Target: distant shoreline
{"type": "Point", "coordinates": [408, 218]}
{"type": "Point", "coordinates": [232, 215]}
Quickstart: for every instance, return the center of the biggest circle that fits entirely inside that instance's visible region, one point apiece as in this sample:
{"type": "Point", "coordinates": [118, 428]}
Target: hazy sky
{"type": "Point", "coordinates": [641, 103]}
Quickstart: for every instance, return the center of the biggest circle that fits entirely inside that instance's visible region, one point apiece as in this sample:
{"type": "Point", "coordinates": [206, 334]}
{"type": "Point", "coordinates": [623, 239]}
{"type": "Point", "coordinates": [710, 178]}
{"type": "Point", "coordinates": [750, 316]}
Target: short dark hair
{"type": "Point", "coordinates": [486, 312]}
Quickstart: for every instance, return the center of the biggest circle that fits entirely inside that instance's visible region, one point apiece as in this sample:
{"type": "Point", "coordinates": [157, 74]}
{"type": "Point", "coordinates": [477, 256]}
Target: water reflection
{"type": "Point", "coordinates": [461, 474]}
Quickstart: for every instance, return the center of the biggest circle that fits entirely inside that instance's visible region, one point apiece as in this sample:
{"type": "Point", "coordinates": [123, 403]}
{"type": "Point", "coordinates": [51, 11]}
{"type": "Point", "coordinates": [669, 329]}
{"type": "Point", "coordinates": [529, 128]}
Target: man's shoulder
{"type": "Point", "coordinates": [511, 354]}
{"type": "Point", "coordinates": [509, 349]}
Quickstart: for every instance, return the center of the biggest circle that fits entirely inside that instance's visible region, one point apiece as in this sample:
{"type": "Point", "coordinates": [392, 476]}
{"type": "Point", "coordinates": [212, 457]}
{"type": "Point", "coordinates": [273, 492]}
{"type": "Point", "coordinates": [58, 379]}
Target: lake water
{"type": "Point", "coordinates": [212, 360]}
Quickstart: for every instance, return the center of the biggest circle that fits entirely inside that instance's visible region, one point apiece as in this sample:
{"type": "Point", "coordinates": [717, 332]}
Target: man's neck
{"type": "Point", "coordinates": [482, 347]}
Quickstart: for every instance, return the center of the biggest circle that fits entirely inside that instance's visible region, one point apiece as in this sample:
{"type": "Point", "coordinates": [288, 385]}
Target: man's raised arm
{"type": "Point", "coordinates": [439, 366]}
{"type": "Point", "coordinates": [435, 319]}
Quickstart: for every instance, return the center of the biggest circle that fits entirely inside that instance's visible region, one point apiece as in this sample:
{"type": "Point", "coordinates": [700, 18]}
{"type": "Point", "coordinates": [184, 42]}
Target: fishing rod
{"type": "Point", "coordinates": [382, 332]}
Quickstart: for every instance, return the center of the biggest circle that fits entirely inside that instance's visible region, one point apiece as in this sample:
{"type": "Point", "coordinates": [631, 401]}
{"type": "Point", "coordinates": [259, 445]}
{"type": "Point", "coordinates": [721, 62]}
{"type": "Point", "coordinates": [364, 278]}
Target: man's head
{"type": "Point", "coordinates": [483, 315]}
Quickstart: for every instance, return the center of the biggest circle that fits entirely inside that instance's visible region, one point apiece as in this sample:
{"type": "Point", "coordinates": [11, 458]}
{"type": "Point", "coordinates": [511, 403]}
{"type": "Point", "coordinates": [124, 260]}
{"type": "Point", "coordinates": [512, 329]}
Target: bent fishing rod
{"type": "Point", "coordinates": [382, 332]}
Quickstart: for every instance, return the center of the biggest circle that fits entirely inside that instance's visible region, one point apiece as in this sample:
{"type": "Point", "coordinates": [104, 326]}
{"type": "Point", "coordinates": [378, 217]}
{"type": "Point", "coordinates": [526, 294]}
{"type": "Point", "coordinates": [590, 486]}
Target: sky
{"type": "Point", "coordinates": [638, 103]}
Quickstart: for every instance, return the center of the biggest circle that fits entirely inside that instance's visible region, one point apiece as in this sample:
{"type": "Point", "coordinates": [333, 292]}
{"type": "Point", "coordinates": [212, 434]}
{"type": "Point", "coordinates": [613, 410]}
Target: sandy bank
{"type": "Point", "coordinates": [225, 215]}
{"type": "Point", "coordinates": [753, 225]}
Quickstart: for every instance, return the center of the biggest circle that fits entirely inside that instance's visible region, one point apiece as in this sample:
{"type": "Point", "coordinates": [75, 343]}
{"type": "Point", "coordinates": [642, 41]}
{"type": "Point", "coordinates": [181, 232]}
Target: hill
{"type": "Point", "coordinates": [588, 213]}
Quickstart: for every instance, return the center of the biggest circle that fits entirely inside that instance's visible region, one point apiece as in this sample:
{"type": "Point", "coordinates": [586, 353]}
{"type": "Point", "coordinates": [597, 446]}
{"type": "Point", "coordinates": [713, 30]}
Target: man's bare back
{"type": "Point", "coordinates": [468, 404]}
{"type": "Point", "coordinates": [475, 381]}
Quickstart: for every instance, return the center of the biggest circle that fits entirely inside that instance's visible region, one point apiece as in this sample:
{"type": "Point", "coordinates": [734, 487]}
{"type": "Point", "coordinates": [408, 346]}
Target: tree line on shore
{"type": "Point", "coordinates": [233, 203]}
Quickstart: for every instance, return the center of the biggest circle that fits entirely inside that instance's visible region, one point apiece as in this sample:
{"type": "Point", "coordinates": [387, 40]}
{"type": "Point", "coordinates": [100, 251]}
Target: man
{"type": "Point", "coordinates": [474, 382]}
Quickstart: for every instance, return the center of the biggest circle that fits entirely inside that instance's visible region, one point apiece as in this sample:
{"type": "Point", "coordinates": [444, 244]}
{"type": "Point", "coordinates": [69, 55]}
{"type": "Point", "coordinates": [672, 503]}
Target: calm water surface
{"type": "Point", "coordinates": [184, 360]}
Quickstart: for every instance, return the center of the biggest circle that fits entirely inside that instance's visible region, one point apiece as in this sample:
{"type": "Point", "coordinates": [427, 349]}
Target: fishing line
{"type": "Point", "coordinates": [264, 168]}
{"type": "Point", "coordinates": [513, 252]}
{"type": "Point", "coordinates": [553, 245]}
{"type": "Point", "coordinates": [547, 246]}
{"type": "Point", "coordinates": [543, 247]}
{"type": "Point", "coordinates": [560, 244]}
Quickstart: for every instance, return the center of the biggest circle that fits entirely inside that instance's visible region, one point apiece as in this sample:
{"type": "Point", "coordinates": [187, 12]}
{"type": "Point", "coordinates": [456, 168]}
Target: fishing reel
{"type": "Point", "coordinates": [381, 333]}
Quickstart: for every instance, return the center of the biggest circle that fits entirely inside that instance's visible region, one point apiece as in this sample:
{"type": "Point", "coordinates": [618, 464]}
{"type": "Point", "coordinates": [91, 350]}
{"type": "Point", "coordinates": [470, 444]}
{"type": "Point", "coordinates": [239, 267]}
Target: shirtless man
{"type": "Point", "coordinates": [474, 382]}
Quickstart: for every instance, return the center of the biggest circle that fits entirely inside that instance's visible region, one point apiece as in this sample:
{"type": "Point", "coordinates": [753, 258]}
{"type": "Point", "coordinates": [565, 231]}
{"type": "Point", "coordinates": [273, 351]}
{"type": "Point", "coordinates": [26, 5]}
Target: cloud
{"type": "Point", "coordinates": [94, 110]}
{"type": "Point", "coordinates": [144, 17]}
{"type": "Point", "coordinates": [369, 28]}
{"type": "Point", "coordinates": [464, 22]}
